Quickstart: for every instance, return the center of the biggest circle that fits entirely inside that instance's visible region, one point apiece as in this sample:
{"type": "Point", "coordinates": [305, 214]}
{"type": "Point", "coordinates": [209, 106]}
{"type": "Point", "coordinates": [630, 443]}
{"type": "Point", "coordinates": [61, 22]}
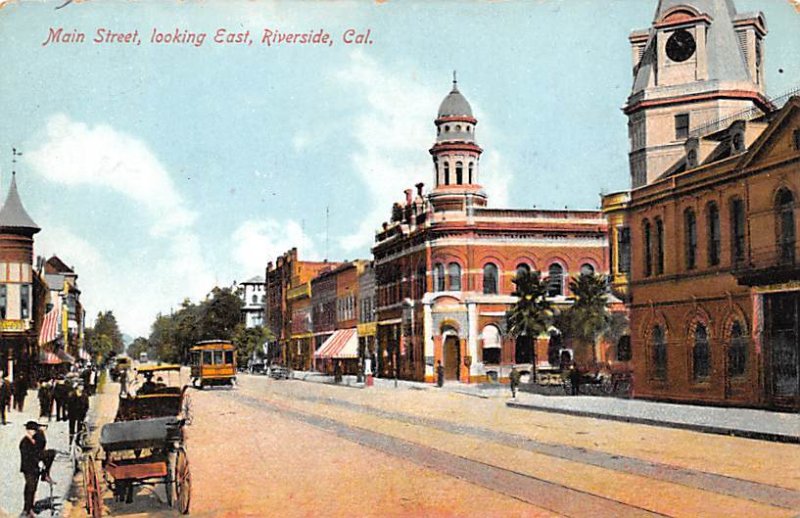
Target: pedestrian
{"type": "Point", "coordinates": [45, 399]}
{"type": "Point", "coordinates": [60, 394]}
{"type": "Point", "coordinates": [77, 408]}
{"type": "Point", "coordinates": [575, 379]}
{"type": "Point", "coordinates": [20, 391]}
{"type": "Point", "coordinates": [5, 397]}
{"type": "Point", "coordinates": [45, 456]}
{"type": "Point", "coordinates": [513, 380]}
{"type": "Point", "coordinates": [439, 374]}
{"type": "Point", "coordinates": [337, 372]}
{"type": "Point", "coordinates": [93, 381]}
{"type": "Point", "coordinates": [29, 466]}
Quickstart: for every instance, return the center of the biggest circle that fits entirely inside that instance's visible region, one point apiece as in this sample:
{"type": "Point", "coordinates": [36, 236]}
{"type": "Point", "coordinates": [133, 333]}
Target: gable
{"type": "Point", "coordinates": [778, 141]}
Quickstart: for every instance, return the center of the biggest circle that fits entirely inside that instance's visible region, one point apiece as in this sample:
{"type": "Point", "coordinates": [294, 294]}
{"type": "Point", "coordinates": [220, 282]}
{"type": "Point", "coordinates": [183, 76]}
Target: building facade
{"type": "Point", "coordinates": [254, 298]}
{"type": "Point", "coordinates": [63, 283]}
{"type": "Point", "coordinates": [445, 262]}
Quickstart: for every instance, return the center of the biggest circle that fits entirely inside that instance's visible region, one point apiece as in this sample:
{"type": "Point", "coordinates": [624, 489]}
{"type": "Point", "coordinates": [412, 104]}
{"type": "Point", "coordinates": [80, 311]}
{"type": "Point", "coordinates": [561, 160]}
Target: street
{"type": "Point", "coordinates": [292, 448]}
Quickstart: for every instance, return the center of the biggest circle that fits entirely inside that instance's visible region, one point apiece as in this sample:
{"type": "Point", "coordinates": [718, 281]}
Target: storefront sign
{"type": "Point", "coordinates": [12, 325]}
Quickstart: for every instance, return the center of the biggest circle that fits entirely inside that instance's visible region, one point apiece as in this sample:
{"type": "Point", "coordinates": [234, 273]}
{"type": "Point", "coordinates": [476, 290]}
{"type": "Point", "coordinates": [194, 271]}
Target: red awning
{"type": "Point", "coordinates": [48, 358]}
{"type": "Point", "coordinates": [341, 344]}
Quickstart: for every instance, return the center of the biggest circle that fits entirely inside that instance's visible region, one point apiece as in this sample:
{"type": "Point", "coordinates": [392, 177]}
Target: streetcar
{"type": "Point", "coordinates": [213, 363]}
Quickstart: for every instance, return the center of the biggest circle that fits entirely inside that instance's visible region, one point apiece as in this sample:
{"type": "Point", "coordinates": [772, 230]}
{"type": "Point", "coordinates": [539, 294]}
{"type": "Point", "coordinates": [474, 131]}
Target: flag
{"type": "Point", "coordinates": [49, 330]}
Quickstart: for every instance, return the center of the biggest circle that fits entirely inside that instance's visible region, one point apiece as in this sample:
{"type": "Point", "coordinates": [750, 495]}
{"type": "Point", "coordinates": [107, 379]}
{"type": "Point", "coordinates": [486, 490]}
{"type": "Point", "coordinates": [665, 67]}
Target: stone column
{"type": "Point", "coordinates": [472, 336]}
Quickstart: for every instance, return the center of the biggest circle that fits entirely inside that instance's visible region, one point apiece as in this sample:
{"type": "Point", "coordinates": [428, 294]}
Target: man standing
{"type": "Point", "coordinates": [439, 374]}
{"type": "Point", "coordinates": [60, 394]}
{"type": "Point", "coordinates": [513, 380]}
{"type": "Point", "coordinates": [29, 466]}
{"type": "Point", "coordinates": [77, 407]}
{"type": "Point", "coordinates": [5, 397]}
{"type": "Point", "coordinates": [20, 391]}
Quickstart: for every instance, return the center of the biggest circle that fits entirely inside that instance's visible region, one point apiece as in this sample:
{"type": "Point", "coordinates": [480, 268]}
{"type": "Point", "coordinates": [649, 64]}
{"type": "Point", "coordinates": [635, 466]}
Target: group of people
{"type": "Point", "coordinates": [71, 402]}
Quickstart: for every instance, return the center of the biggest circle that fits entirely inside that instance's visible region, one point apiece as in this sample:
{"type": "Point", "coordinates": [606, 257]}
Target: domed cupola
{"type": "Point", "coordinates": [456, 153]}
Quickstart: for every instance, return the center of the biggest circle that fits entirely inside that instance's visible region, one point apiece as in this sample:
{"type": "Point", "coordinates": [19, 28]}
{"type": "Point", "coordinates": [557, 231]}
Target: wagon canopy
{"type": "Point", "coordinates": [139, 434]}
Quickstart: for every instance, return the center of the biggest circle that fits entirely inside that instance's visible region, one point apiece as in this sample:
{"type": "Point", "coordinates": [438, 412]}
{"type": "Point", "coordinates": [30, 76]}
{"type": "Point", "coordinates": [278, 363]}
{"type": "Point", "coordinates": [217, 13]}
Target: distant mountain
{"type": "Point", "coordinates": [127, 340]}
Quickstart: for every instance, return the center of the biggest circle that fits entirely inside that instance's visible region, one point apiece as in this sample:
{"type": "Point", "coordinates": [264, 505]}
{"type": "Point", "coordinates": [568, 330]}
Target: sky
{"type": "Point", "coordinates": [161, 170]}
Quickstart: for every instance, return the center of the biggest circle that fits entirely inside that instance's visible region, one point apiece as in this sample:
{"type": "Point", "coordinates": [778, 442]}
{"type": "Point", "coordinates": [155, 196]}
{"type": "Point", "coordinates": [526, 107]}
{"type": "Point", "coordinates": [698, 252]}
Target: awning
{"type": "Point", "coordinates": [48, 358]}
{"type": "Point", "coordinates": [64, 357]}
{"type": "Point", "coordinates": [84, 355]}
{"type": "Point", "coordinates": [341, 344]}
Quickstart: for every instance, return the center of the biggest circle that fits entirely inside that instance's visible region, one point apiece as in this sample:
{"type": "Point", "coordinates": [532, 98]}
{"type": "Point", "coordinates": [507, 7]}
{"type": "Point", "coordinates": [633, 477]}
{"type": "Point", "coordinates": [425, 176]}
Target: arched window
{"type": "Point", "coordinates": [459, 173]}
{"type": "Point", "coordinates": [624, 349]}
{"type": "Point", "coordinates": [587, 269]}
{"type": "Point", "coordinates": [555, 280]}
{"type": "Point", "coordinates": [659, 247]}
{"type": "Point", "coordinates": [700, 352]}
{"type": "Point", "coordinates": [491, 345]}
{"type": "Point", "coordinates": [659, 353]}
{"type": "Point", "coordinates": [470, 172]}
{"type": "Point", "coordinates": [737, 351]}
{"type": "Point", "coordinates": [438, 277]}
{"type": "Point", "coordinates": [713, 234]}
{"type": "Point", "coordinates": [255, 299]}
{"type": "Point", "coordinates": [490, 279]}
{"type": "Point", "coordinates": [737, 230]}
{"type": "Point", "coordinates": [648, 249]}
{"type": "Point", "coordinates": [690, 238]}
{"type": "Point", "coordinates": [454, 275]}
{"type": "Point", "coordinates": [447, 173]}
{"type": "Point", "coordinates": [784, 205]}
{"type": "Point", "coordinates": [522, 267]}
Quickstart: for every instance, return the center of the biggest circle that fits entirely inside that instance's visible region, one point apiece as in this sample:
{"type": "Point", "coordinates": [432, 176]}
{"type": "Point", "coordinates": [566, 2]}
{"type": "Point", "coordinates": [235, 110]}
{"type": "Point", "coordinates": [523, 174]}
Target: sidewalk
{"type": "Point", "coordinates": [57, 438]}
{"type": "Point", "coordinates": [739, 422]}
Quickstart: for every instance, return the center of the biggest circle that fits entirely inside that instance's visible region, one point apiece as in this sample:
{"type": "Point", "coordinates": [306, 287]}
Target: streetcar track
{"type": "Point", "coordinates": [532, 490]}
{"type": "Point", "coordinates": [712, 482]}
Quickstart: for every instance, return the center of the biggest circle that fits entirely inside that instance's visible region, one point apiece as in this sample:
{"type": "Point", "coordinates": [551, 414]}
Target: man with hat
{"type": "Point", "coordinates": [5, 398]}
{"type": "Point", "coordinates": [29, 467]}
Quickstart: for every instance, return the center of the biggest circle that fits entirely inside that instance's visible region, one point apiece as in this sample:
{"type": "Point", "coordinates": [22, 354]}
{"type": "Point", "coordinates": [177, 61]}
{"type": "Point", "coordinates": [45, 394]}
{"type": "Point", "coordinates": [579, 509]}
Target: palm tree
{"type": "Point", "coordinates": [532, 314]}
{"type": "Point", "coordinates": [589, 316]}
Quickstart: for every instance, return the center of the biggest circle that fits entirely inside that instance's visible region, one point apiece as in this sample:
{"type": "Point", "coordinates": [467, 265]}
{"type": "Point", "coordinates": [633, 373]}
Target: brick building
{"type": "Point", "coordinates": [714, 286]}
{"type": "Point", "coordinates": [445, 262]}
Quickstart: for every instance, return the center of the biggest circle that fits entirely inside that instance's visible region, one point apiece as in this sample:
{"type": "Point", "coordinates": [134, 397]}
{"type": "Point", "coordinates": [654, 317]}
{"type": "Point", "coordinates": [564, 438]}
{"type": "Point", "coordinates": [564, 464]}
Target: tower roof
{"type": "Point", "coordinates": [725, 59]}
{"type": "Point", "coordinates": [13, 214]}
{"type": "Point", "coordinates": [455, 104]}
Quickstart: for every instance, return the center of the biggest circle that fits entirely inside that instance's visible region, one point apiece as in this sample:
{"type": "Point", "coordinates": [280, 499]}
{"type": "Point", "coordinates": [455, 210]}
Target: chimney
{"type": "Point", "coordinates": [408, 196]}
{"type": "Point", "coordinates": [419, 187]}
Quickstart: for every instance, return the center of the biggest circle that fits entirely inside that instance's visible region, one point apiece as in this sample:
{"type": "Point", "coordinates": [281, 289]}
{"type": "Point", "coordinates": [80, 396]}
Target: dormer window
{"type": "Point", "coordinates": [738, 142]}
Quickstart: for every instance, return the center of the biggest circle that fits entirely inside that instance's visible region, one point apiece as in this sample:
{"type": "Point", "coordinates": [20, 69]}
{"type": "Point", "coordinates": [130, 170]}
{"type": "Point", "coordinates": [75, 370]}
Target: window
{"type": "Point", "coordinates": [738, 142]}
{"type": "Point", "coordinates": [737, 230]}
{"type": "Point", "coordinates": [690, 238]}
{"type": "Point", "coordinates": [420, 282]}
{"type": "Point", "coordinates": [648, 250]}
{"type": "Point", "coordinates": [25, 301]}
{"type": "Point", "coordinates": [470, 173]}
{"type": "Point", "coordinates": [454, 276]}
{"type": "Point", "coordinates": [438, 277]}
{"type": "Point", "coordinates": [587, 269]}
{"type": "Point", "coordinates": [522, 267]}
{"type": "Point", "coordinates": [624, 349]}
{"type": "Point", "coordinates": [229, 357]}
{"type": "Point", "coordinates": [459, 173]}
{"type": "Point", "coordinates": [713, 234]}
{"type": "Point", "coordinates": [700, 353]}
{"type": "Point", "coordinates": [555, 280]}
{"type": "Point", "coordinates": [659, 353]}
{"type": "Point", "coordinates": [447, 173]}
{"type": "Point", "coordinates": [737, 351]}
{"type": "Point", "coordinates": [490, 279]}
{"type": "Point", "coordinates": [682, 126]}
{"type": "Point", "coordinates": [218, 357]}
{"type": "Point", "coordinates": [491, 345]}
{"type": "Point", "coordinates": [3, 301]}
{"type": "Point", "coordinates": [691, 159]}
{"type": "Point", "coordinates": [208, 358]}
{"type": "Point", "coordinates": [786, 230]}
{"type": "Point", "coordinates": [255, 299]}
{"type": "Point", "coordinates": [624, 250]}
{"type": "Point", "coordinates": [659, 247]}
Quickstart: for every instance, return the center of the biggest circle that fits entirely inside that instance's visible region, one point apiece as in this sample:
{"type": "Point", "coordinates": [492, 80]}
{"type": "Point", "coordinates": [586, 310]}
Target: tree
{"type": "Point", "coordinates": [589, 317]}
{"type": "Point", "coordinates": [141, 345]}
{"type": "Point", "coordinates": [532, 314]}
{"type": "Point", "coordinates": [105, 337]}
{"type": "Point", "coordinates": [249, 341]}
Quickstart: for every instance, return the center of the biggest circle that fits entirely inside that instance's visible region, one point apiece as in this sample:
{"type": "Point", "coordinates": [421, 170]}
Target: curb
{"type": "Point", "coordinates": [717, 430]}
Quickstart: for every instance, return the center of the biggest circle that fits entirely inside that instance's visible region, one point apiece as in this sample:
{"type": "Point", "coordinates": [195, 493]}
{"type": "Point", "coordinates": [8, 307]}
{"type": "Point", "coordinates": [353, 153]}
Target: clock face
{"type": "Point", "coordinates": [680, 46]}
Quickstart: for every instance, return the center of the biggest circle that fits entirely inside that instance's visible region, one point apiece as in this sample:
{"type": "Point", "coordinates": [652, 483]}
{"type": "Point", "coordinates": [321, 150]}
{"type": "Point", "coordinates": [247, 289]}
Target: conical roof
{"type": "Point", "coordinates": [13, 214]}
{"type": "Point", "coordinates": [455, 104]}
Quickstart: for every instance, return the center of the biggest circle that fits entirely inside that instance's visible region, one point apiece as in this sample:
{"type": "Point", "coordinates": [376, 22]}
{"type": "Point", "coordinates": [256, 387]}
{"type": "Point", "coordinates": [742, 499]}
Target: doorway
{"type": "Point", "coordinates": [781, 312]}
{"type": "Point", "coordinates": [452, 357]}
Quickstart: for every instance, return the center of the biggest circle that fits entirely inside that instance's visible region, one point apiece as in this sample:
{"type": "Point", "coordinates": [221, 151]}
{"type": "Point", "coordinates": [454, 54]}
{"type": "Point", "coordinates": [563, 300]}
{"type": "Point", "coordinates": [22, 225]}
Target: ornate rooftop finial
{"type": "Point", "coordinates": [14, 155]}
{"type": "Point", "coordinates": [455, 82]}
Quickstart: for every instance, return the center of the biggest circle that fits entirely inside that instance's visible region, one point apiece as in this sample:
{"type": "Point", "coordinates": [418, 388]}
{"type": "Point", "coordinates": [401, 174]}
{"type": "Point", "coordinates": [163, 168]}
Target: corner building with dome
{"type": "Point", "coordinates": [445, 262]}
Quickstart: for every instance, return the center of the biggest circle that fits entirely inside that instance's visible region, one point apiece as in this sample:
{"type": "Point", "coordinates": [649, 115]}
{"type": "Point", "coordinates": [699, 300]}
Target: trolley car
{"type": "Point", "coordinates": [213, 363]}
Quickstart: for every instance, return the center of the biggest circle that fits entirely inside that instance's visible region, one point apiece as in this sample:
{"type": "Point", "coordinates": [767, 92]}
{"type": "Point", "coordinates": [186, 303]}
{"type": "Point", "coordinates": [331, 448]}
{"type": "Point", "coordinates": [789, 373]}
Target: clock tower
{"type": "Point", "coordinates": [700, 61]}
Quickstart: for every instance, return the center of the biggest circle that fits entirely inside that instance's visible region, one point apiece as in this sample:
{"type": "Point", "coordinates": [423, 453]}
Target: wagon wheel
{"type": "Point", "coordinates": [182, 482]}
{"type": "Point", "coordinates": [91, 487]}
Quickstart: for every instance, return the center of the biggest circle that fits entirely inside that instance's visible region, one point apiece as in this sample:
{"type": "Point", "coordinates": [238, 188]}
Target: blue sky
{"type": "Point", "coordinates": [161, 170]}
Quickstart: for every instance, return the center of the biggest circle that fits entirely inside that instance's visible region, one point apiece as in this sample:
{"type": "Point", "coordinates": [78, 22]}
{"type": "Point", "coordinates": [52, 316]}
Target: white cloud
{"type": "Point", "coordinates": [135, 284]}
{"type": "Point", "coordinates": [393, 133]}
{"type": "Point", "coordinates": [255, 242]}
{"type": "Point", "coordinates": [76, 154]}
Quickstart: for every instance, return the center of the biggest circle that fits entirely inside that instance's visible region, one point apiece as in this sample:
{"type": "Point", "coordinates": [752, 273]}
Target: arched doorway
{"type": "Point", "coordinates": [452, 357]}
{"type": "Point", "coordinates": [523, 350]}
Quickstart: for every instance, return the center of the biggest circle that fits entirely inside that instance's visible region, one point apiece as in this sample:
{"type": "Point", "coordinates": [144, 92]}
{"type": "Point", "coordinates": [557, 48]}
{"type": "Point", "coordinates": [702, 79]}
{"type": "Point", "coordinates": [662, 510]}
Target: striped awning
{"type": "Point", "coordinates": [48, 358]}
{"type": "Point", "coordinates": [64, 356]}
{"type": "Point", "coordinates": [84, 355]}
{"type": "Point", "coordinates": [341, 344]}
